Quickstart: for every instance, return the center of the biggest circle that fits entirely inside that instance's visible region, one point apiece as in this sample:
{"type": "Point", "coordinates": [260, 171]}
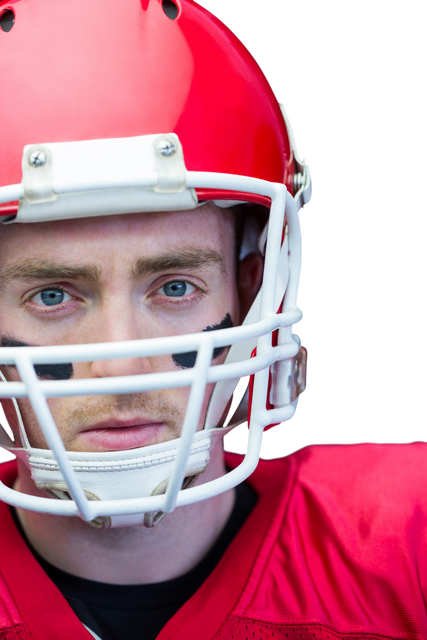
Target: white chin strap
{"type": "Point", "coordinates": [117, 475]}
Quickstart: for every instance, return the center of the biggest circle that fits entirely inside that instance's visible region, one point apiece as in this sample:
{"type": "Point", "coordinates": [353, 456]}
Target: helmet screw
{"type": "Point", "coordinates": [37, 158]}
{"type": "Point", "coordinates": [166, 148]}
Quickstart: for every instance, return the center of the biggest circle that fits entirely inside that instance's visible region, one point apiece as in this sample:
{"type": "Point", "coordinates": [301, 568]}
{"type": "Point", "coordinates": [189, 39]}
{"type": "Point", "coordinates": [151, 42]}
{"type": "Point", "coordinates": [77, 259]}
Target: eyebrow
{"type": "Point", "coordinates": [30, 270]}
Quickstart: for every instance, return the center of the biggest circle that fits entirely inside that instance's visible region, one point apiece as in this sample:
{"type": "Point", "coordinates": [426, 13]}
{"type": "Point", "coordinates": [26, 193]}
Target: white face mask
{"type": "Point", "coordinates": [137, 486]}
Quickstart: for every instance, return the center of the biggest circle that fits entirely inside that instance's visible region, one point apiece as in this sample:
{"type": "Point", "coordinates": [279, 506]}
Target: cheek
{"type": "Point", "coordinates": [205, 405]}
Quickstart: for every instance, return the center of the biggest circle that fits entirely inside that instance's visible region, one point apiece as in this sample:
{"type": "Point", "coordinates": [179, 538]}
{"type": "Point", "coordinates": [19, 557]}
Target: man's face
{"type": "Point", "coordinates": [110, 279]}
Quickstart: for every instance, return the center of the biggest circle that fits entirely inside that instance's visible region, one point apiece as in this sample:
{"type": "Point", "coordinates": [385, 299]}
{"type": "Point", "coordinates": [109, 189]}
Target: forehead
{"type": "Point", "coordinates": [104, 238]}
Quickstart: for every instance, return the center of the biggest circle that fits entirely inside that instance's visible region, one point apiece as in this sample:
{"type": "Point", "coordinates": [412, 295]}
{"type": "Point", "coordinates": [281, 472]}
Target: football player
{"type": "Point", "coordinates": [151, 261]}
{"type": "Point", "coordinates": [149, 265]}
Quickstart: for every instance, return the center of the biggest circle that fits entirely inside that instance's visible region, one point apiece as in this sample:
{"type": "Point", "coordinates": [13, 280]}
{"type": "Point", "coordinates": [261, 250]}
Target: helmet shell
{"type": "Point", "coordinates": [106, 69]}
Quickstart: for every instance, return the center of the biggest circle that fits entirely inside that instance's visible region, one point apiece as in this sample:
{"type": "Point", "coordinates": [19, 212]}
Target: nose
{"type": "Point", "coordinates": [120, 367]}
{"type": "Point", "coordinates": [118, 320]}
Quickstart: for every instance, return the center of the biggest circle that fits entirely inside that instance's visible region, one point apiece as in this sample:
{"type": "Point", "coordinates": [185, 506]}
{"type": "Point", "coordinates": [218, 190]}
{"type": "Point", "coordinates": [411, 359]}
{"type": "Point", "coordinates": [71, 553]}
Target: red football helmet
{"type": "Point", "coordinates": [148, 105]}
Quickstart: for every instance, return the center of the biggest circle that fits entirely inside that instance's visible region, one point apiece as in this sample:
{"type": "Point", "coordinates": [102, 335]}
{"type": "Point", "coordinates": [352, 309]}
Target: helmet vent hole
{"type": "Point", "coordinates": [7, 20]}
{"type": "Point", "coordinates": [170, 9]}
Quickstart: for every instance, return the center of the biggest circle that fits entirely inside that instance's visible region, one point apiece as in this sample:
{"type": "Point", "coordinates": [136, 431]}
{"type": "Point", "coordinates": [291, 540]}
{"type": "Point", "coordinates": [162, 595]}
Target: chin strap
{"type": "Point", "coordinates": [59, 491]}
{"type": "Point", "coordinates": [118, 475]}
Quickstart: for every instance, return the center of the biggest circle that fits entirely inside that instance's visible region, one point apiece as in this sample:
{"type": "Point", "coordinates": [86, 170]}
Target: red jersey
{"type": "Point", "coordinates": [335, 549]}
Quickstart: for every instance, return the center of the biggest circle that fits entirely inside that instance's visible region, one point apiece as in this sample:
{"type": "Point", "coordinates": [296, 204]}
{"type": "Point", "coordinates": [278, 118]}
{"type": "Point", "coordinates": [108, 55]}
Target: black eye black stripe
{"type": "Point", "coordinates": [188, 360]}
{"type": "Point", "coordinates": [46, 371]}
{"type": "Point", "coordinates": [65, 371]}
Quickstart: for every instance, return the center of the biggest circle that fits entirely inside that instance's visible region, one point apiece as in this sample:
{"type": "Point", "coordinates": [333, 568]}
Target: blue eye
{"type": "Point", "coordinates": [176, 289]}
{"type": "Point", "coordinates": [51, 297]}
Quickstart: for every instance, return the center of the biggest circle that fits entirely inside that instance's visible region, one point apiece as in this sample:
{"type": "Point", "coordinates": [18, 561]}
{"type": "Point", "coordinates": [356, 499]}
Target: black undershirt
{"type": "Point", "coordinates": [129, 612]}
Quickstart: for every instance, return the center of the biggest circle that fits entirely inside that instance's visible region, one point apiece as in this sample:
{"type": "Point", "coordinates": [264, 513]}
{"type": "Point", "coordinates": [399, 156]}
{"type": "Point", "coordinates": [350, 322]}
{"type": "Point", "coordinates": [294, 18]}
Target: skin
{"type": "Point", "coordinates": [65, 371]}
{"type": "Point", "coordinates": [115, 272]}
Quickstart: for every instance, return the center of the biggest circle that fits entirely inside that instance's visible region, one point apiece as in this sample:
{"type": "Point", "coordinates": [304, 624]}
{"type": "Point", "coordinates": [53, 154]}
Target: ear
{"type": "Point", "coordinates": [249, 281]}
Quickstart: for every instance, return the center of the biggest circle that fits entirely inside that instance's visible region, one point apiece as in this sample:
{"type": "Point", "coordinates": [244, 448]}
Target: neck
{"type": "Point", "coordinates": [133, 555]}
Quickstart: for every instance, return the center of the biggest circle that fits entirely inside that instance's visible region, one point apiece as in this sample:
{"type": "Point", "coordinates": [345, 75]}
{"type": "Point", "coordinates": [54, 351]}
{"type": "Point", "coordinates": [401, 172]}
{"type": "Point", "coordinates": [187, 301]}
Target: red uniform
{"type": "Point", "coordinates": [334, 549]}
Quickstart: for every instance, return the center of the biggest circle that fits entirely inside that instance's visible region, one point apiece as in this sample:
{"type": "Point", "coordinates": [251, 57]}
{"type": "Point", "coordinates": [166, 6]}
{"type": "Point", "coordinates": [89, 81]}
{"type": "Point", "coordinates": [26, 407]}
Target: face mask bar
{"type": "Point", "coordinates": [24, 358]}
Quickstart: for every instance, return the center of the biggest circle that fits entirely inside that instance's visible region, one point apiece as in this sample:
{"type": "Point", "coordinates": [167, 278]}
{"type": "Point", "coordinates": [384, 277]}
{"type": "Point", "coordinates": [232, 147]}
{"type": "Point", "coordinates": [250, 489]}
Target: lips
{"type": "Point", "coordinates": [122, 424]}
{"type": "Point", "coordinates": [120, 435]}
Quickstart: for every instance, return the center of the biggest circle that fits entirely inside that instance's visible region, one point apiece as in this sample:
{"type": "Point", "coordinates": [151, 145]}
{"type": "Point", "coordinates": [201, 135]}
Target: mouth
{"type": "Point", "coordinates": [120, 435]}
{"type": "Point", "coordinates": [122, 424]}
